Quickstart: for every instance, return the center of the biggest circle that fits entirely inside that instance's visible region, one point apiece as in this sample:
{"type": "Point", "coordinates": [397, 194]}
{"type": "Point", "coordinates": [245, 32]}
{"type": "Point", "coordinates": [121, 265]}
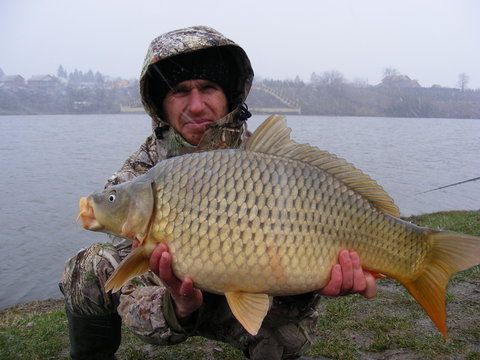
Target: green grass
{"type": "Point", "coordinates": [354, 328]}
{"type": "Point", "coordinates": [43, 335]}
{"type": "Point", "coordinates": [39, 336]}
{"type": "Point", "coordinates": [466, 222]}
{"type": "Point", "coordinates": [348, 328]}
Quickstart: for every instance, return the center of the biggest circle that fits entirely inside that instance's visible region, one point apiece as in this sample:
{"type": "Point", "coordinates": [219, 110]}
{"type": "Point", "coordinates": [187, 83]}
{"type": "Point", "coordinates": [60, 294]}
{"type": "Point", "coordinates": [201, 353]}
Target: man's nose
{"type": "Point", "coordinates": [195, 101]}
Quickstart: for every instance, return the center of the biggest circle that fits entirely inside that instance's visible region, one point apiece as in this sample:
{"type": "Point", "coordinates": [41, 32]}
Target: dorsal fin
{"type": "Point", "coordinates": [273, 137]}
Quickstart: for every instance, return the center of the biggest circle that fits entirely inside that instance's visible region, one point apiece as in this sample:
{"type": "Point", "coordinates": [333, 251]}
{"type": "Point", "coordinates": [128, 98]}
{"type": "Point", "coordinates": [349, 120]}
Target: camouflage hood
{"type": "Point", "coordinates": [185, 41]}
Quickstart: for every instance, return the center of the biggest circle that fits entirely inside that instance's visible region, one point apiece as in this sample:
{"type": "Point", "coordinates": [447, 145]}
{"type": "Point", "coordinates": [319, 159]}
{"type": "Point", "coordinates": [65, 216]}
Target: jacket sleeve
{"type": "Point", "coordinates": [148, 311]}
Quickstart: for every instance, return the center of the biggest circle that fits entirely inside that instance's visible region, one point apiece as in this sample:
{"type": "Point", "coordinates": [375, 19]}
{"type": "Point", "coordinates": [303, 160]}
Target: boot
{"type": "Point", "coordinates": [93, 337]}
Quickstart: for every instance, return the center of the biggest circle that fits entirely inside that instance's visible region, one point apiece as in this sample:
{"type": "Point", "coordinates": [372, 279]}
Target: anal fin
{"type": "Point", "coordinates": [377, 275]}
{"type": "Point", "coordinates": [249, 309]}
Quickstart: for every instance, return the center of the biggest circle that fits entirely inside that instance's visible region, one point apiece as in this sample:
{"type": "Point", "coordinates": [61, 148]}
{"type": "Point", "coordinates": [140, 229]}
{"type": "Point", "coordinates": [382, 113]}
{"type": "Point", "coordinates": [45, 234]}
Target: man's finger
{"type": "Point", "coordinates": [334, 286]}
{"type": "Point", "coordinates": [370, 287]}
{"type": "Point", "coordinates": [166, 274]}
{"type": "Point", "coordinates": [359, 282]}
{"type": "Point", "coordinates": [347, 270]}
{"type": "Point", "coordinates": [155, 257]}
{"type": "Point", "coordinates": [187, 289]}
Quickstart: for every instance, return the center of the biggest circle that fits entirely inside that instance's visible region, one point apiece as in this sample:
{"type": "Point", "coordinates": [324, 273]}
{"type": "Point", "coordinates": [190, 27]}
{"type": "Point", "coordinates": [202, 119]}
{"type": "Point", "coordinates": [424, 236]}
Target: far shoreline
{"type": "Point", "coordinates": [254, 114]}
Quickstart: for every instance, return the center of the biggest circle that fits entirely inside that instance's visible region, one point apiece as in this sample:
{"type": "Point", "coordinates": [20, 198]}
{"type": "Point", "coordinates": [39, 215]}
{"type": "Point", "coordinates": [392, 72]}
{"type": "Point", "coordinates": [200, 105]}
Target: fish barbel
{"type": "Point", "coordinates": [269, 219]}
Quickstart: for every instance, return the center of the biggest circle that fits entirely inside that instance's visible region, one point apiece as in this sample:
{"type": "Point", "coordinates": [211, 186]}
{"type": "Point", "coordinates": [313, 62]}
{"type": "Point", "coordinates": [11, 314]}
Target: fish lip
{"type": "Point", "coordinates": [94, 226]}
{"type": "Point", "coordinates": [87, 215]}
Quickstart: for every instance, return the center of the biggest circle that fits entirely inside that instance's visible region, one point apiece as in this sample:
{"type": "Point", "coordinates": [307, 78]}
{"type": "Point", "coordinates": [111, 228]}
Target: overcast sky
{"type": "Point", "coordinates": [432, 41]}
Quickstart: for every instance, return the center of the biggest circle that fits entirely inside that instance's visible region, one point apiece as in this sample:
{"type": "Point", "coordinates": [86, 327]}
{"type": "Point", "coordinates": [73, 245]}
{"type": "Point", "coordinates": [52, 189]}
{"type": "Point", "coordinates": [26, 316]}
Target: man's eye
{"type": "Point", "coordinates": [179, 91]}
{"type": "Point", "coordinates": [209, 87]}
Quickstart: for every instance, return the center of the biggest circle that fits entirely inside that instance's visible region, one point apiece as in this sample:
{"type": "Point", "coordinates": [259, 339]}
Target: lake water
{"type": "Point", "coordinates": [48, 162]}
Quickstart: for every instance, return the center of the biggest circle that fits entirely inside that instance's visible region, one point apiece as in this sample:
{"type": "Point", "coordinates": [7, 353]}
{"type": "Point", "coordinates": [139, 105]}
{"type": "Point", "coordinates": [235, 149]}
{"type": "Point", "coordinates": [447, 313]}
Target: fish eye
{"type": "Point", "coordinates": [111, 197]}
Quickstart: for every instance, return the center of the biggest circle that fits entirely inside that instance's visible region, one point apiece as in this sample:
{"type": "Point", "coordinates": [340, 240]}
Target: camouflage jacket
{"type": "Point", "coordinates": [144, 304]}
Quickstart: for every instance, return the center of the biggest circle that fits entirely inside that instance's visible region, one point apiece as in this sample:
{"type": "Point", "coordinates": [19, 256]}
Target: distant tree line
{"type": "Point", "coordinates": [77, 76]}
{"type": "Point", "coordinates": [330, 93]}
{"type": "Point", "coordinates": [326, 93]}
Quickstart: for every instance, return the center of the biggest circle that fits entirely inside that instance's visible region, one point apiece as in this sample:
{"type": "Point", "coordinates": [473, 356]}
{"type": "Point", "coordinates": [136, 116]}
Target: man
{"type": "Point", "coordinates": [193, 86]}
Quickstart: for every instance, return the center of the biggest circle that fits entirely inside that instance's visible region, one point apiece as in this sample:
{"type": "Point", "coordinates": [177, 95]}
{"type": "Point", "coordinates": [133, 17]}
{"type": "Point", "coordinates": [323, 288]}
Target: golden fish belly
{"type": "Point", "coordinates": [242, 221]}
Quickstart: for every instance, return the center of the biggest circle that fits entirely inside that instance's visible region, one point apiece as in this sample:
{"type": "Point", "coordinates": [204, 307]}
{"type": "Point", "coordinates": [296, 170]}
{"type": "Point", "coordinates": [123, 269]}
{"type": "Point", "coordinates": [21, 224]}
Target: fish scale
{"type": "Point", "coordinates": [270, 219]}
{"type": "Point", "coordinates": [195, 237]}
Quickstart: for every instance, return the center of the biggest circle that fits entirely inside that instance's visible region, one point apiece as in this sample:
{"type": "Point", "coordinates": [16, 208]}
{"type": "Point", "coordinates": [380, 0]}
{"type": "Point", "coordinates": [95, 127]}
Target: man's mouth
{"type": "Point", "coordinates": [200, 122]}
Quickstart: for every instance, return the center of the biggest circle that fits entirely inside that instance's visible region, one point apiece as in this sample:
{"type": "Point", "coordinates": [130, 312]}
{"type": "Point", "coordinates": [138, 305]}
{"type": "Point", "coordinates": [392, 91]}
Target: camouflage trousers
{"type": "Point", "coordinates": [146, 308]}
{"type": "Point", "coordinates": [84, 277]}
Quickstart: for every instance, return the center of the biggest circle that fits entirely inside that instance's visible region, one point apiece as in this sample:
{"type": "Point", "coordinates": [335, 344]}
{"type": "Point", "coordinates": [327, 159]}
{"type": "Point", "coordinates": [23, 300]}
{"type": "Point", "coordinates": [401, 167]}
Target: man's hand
{"type": "Point", "coordinates": [348, 277]}
{"type": "Point", "coordinates": [185, 296]}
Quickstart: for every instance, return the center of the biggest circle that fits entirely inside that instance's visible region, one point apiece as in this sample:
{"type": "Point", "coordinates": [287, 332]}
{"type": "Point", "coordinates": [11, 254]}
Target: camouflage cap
{"type": "Point", "coordinates": [185, 41]}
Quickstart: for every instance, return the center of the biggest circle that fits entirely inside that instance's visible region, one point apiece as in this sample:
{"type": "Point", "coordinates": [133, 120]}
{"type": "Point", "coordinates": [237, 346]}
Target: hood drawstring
{"type": "Point", "coordinates": [243, 113]}
{"type": "Point", "coordinates": [160, 131]}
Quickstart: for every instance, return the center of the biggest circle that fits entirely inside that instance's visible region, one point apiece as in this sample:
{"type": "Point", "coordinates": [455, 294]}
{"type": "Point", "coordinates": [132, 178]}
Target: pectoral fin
{"type": "Point", "coordinates": [136, 263]}
{"type": "Point", "coordinates": [249, 309]}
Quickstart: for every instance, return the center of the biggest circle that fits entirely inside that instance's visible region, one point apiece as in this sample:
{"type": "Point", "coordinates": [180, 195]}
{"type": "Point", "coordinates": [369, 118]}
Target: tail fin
{"type": "Point", "coordinates": [451, 252]}
{"type": "Point", "coordinates": [136, 263]}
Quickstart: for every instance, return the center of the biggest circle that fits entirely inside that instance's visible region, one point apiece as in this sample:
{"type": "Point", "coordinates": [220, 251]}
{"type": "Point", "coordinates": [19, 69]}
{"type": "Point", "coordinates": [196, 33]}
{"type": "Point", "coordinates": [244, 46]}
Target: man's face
{"type": "Point", "coordinates": [193, 104]}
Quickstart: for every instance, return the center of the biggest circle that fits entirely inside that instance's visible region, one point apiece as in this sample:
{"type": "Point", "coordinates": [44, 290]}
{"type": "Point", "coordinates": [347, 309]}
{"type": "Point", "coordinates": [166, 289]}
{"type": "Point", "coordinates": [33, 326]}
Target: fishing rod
{"type": "Point", "coordinates": [446, 186]}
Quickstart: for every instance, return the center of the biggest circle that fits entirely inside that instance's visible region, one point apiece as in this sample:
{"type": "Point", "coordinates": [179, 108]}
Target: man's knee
{"type": "Point", "coordinates": [295, 340]}
{"type": "Point", "coordinates": [84, 278]}
{"type": "Point", "coordinates": [288, 341]}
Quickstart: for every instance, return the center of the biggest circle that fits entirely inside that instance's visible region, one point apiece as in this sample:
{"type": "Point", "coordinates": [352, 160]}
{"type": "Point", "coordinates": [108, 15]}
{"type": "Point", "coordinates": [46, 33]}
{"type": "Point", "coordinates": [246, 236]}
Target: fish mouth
{"type": "Point", "coordinates": [87, 216]}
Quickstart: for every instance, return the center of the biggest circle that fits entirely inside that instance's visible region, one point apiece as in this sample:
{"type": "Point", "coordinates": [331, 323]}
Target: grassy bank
{"type": "Point", "coordinates": [392, 326]}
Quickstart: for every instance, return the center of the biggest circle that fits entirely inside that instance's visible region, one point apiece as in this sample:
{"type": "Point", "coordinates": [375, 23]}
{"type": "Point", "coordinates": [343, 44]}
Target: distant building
{"type": "Point", "coordinates": [44, 82]}
{"type": "Point", "coordinates": [12, 81]}
{"type": "Point", "coordinates": [119, 84]}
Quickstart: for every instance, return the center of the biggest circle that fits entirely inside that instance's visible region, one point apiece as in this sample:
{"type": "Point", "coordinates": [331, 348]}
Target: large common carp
{"type": "Point", "coordinates": [270, 219]}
